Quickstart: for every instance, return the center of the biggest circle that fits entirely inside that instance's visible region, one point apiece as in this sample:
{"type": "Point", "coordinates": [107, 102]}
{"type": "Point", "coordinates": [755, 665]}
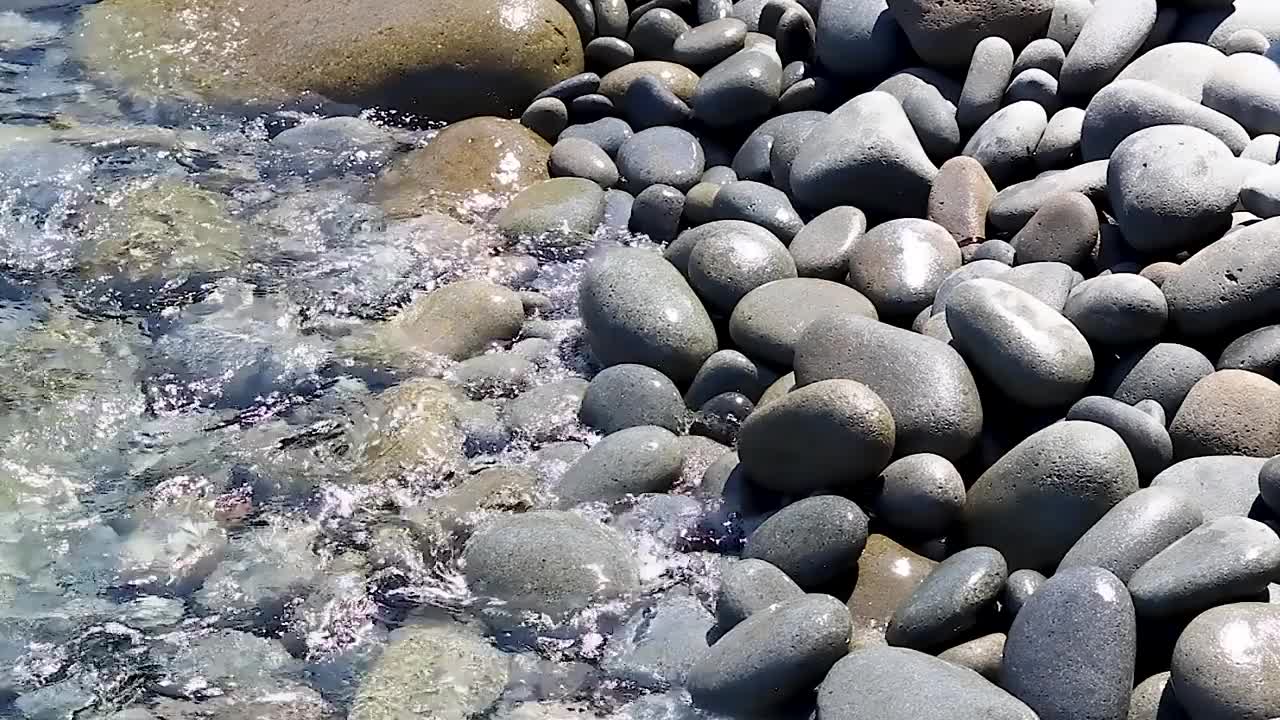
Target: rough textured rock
{"type": "Point", "coordinates": [925, 383]}
{"type": "Point", "coordinates": [946, 33]}
{"type": "Point", "coordinates": [961, 195]}
{"type": "Point", "coordinates": [1145, 436]}
{"type": "Point", "coordinates": [1165, 373]}
{"type": "Point", "coordinates": [451, 60]}
{"type": "Point", "coordinates": [633, 461]}
{"type": "Point", "coordinates": [749, 587]}
{"type": "Point", "coordinates": [1218, 485]}
{"type": "Point", "coordinates": [1111, 36]}
{"type": "Point", "coordinates": [768, 322]}
{"type": "Point", "coordinates": [813, 541]}
{"type": "Point", "coordinates": [1231, 412]}
{"type": "Point", "coordinates": [947, 604]}
{"type": "Point", "coordinates": [1134, 531]}
{"type": "Point", "coordinates": [1034, 503]}
{"type": "Point", "coordinates": [921, 494]}
{"type": "Point", "coordinates": [1126, 106]}
{"type": "Point", "coordinates": [887, 575]}
{"type": "Point", "coordinates": [1224, 663]}
{"type": "Point", "coordinates": [1235, 282]}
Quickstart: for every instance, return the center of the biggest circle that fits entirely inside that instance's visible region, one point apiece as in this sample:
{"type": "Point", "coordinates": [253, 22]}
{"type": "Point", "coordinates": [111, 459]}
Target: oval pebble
{"type": "Point", "coordinates": [1224, 663]}
{"type": "Point", "coordinates": [1134, 531]}
{"type": "Point", "coordinates": [948, 603]}
{"type": "Point", "coordinates": [769, 320]}
{"type": "Point", "coordinates": [577, 157]}
{"type": "Point", "coordinates": [989, 73]}
{"type": "Point", "coordinates": [821, 248]}
{"type": "Point", "coordinates": [1232, 283]}
{"type": "Point", "coordinates": [899, 265]}
{"type": "Point", "coordinates": [758, 203]}
{"type": "Point", "coordinates": [1146, 438]}
{"type": "Point", "coordinates": [636, 460]}
{"type": "Point", "coordinates": [751, 586]}
{"type": "Point", "coordinates": [1126, 106]}
{"type": "Point", "coordinates": [629, 395]}
{"type": "Point", "coordinates": [1230, 412]}
{"type": "Point", "coordinates": [813, 541]}
{"type": "Point", "coordinates": [661, 156]}
{"type": "Point", "coordinates": [1005, 143]}
{"type": "Point", "coordinates": [738, 90]}
{"type": "Point", "coordinates": [1118, 309]}
{"type": "Point", "coordinates": [921, 494]}
{"type": "Point", "coordinates": [728, 264]}
{"type": "Point", "coordinates": [1111, 37]}
{"type": "Point", "coordinates": [1018, 589]}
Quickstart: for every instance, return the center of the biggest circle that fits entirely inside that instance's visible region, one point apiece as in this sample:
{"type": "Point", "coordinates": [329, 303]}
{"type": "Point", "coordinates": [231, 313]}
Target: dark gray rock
{"type": "Point", "coordinates": [1037, 86]}
{"type": "Point", "coordinates": [753, 160]}
{"type": "Point", "coordinates": [1064, 229]}
{"type": "Point", "coordinates": [650, 103]}
{"type": "Point", "coordinates": [1230, 412]}
{"type": "Point", "coordinates": [576, 157]}
{"type": "Point", "coordinates": [592, 107]}
{"type": "Point", "coordinates": [1126, 106]}
{"type": "Point", "coordinates": [658, 645]}
{"type": "Point", "coordinates": [1118, 309]}
{"type": "Point", "coordinates": [709, 10]}
{"type": "Point", "coordinates": [1067, 20]}
{"type": "Point", "coordinates": [929, 102]}
{"type": "Point", "coordinates": [1222, 664]}
{"type": "Point", "coordinates": [656, 213]}
{"type": "Point", "coordinates": [921, 494]}
{"type": "Point", "coordinates": [768, 321]}
{"type": "Point", "coordinates": [788, 137]}
{"type": "Point", "coordinates": [607, 54]}
{"type": "Point", "coordinates": [661, 156]}
{"type": "Point", "coordinates": [867, 142]}
{"type": "Point", "coordinates": [633, 461]}
{"type": "Point", "coordinates": [1257, 351]}
{"type": "Point", "coordinates": [548, 562]}
{"type": "Point", "coordinates": [1060, 143]}
{"type": "Point", "coordinates": [741, 89]}
{"type": "Point", "coordinates": [899, 265]}
{"type": "Point", "coordinates": [546, 116]}
{"type": "Point", "coordinates": [630, 395]}
{"type": "Point", "coordinates": [830, 434]}
{"type": "Point", "coordinates": [1014, 206]}
{"type": "Point", "coordinates": [1244, 88]}
{"type": "Point", "coordinates": [859, 39]}
{"type": "Point", "coordinates": [807, 94]}
{"type": "Point", "coordinates": [982, 655]}
{"type": "Point", "coordinates": [772, 656]}
{"type": "Point", "coordinates": [546, 412]}
{"type": "Point", "coordinates": [889, 683]}
{"type": "Point", "coordinates": [707, 44]}
{"type": "Point", "coordinates": [636, 308]}
{"type": "Point", "coordinates": [1219, 486]}
{"type": "Point", "coordinates": [1071, 650]}
{"type": "Point", "coordinates": [1153, 699]}
{"type": "Point", "coordinates": [735, 259]}
{"type": "Point", "coordinates": [751, 586]}
{"type": "Point", "coordinates": [1181, 68]}
{"type": "Point", "coordinates": [1170, 188]}
{"type": "Point", "coordinates": [1005, 143]}
{"type": "Point", "coordinates": [1145, 436]}
{"type": "Point", "coordinates": [1018, 589]}
{"type": "Point", "coordinates": [561, 206]}
{"type": "Point", "coordinates": [1226, 559]}
{"type": "Point", "coordinates": [821, 248]}
{"type": "Point", "coordinates": [1043, 54]}
{"type": "Point", "coordinates": [1110, 38]}
{"type": "Point", "coordinates": [925, 383]}
{"type": "Point", "coordinates": [814, 541]}
{"type": "Point", "coordinates": [654, 32]}
{"type": "Point", "coordinates": [960, 197]}
{"type": "Point", "coordinates": [698, 203]}
{"type": "Point", "coordinates": [572, 87]}
{"type": "Point", "coordinates": [758, 203]}
{"type": "Point", "coordinates": [998, 250]}
{"type": "Point", "coordinates": [948, 603]}
{"type": "Point", "coordinates": [611, 18]}
{"type": "Point", "coordinates": [1164, 373]}
{"type": "Point", "coordinates": [608, 133]}
{"type": "Point", "coordinates": [989, 72]}
{"type": "Point", "coordinates": [1235, 282]}
{"type": "Point", "coordinates": [728, 371]}
{"type": "Point", "coordinates": [1039, 499]}
{"type": "Point", "coordinates": [1134, 531]}
{"type": "Point", "coordinates": [1023, 346]}
{"type": "Point", "coordinates": [946, 35]}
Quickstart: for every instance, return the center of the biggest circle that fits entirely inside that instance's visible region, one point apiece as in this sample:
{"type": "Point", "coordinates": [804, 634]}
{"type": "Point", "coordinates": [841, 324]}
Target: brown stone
{"type": "Point", "coordinates": [1231, 412]}
{"type": "Point", "coordinates": [471, 166]}
{"type": "Point", "coordinates": [680, 80]}
{"type": "Point", "coordinates": [887, 575]}
{"type": "Point", "coordinates": [438, 60]}
{"type": "Point", "coordinates": [1065, 229]}
{"type": "Point", "coordinates": [960, 198]}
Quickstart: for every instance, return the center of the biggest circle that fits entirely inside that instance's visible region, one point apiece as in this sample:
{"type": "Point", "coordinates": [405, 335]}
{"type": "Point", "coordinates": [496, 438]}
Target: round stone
{"type": "Point", "coordinates": [814, 541]}
{"type": "Point", "coordinates": [948, 603]}
{"type": "Point", "coordinates": [1015, 205]}
{"type": "Point", "coordinates": [1034, 503]}
{"type": "Point", "coordinates": [1060, 143]}
{"type": "Point", "coordinates": [629, 395]}
{"type": "Point", "coordinates": [576, 157]}
{"type": "Point", "coordinates": [768, 321]}
{"type": "Point", "coordinates": [607, 54]}
{"type": "Point", "coordinates": [1118, 309]}
{"type": "Point", "coordinates": [1181, 67]}
{"type": "Point", "coordinates": [740, 89]}
{"type": "Point", "coordinates": [1043, 54]}
{"type": "Point", "coordinates": [981, 655]}
{"type": "Point", "coordinates": [546, 116]}
{"type": "Point", "coordinates": [1145, 436]}
{"type": "Point", "coordinates": [1235, 282]}
{"type": "Point", "coordinates": [1224, 661]}
{"type": "Point", "coordinates": [1165, 373]}
{"type": "Point", "coordinates": [921, 494]}
{"type": "Point", "coordinates": [1230, 412]}
{"type": "Point", "coordinates": [1018, 589]}
{"type": "Point", "coordinates": [831, 434]}
{"type": "Point", "coordinates": [656, 213]}
{"type": "Point", "coordinates": [1244, 88]}
{"type": "Point", "coordinates": [1064, 229]}
{"type": "Point", "coordinates": [760, 204]}
{"type": "Point", "coordinates": [546, 412]}
{"type": "Point", "coordinates": [821, 248]}
{"type": "Point", "coordinates": [728, 371]}
{"type": "Point", "coordinates": [654, 32]}
{"type": "Point", "coordinates": [751, 586]}
{"type": "Point", "coordinates": [554, 213]}
{"type": "Point", "coordinates": [1153, 700]}
{"type": "Point", "coordinates": [633, 461]}
{"type": "Point", "coordinates": [859, 39]}
{"type": "Point", "coordinates": [637, 308]}
{"type": "Point", "coordinates": [900, 265]}
{"type": "Point", "coordinates": [726, 266]}
{"type": "Point", "coordinates": [1257, 351]}
{"type": "Point", "coordinates": [459, 321]}
{"type": "Point", "coordinates": [998, 250]}
{"type": "Point", "coordinates": [548, 562]}
{"type": "Point", "coordinates": [661, 156]}
{"type": "Point", "coordinates": [707, 44]}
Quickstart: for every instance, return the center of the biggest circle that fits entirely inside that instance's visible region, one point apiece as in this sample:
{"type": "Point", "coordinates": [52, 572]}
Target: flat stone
{"type": "Point", "coordinates": [1179, 67]}
{"type": "Point", "coordinates": [814, 541]}
{"type": "Point", "coordinates": [821, 248]}
{"type": "Point", "coordinates": [961, 195]}
{"type": "Point", "coordinates": [867, 142]}
{"type": "Point", "coordinates": [982, 655]}
{"type": "Point", "coordinates": [1064, 229]}
{"type": "Point", "coordinates": [661, 156]}
{"type": "Point", "coordinates": [948, 603]}
{"type": "Point", "coordinates": [740, 89]}
{"type": "Point", "coordinates": [749, 587]}
{"type": "Point", "coordinates": [548, 562]}
{"type": "Point", "coordinates": [758, 203]}
{"type": "Point", "coordinates": [1232, 283]}
{"type": "Point", "coordinates": [859, 39]}
{"type": "Point", "coordinates": [1110, 38]}
{"type": "Point", "coordinates": [772, 656]}
{"type": "Point", "coordinates": [1222, 663]}
{"type": "Point", "coordinates": [1118, 309]}
{"type": "Point", "coordinates": [1134, 531]}
{"type": "Point", "coordinates": [899, 684]}
{"type": "Point", "coordinates": [1014, 206]}
{"type": "Point", "coordinates": [921, 494]}
{"type": "Point", "coordinates": [1257, 351]}
{"type": "Point", "coordinates": [768, 322]}
{"type": "Point", "coordinates": [887, 575]}
{"type": "Point", "coordinates": [899, 265]}
{"type": "Point", "coordinates": [1145, 436]}
{"type": "Point", "coordinates": [830, 434]}
{"type": "Point", "coordinates": [1220, 486]}
{"type": "Point", "coordinates": [1071, 650]}
{"type": "Point", "coordinates": [1026, 348]}
{"type": "Point", "coordinates": [925, 383]}
{"type": "Point", "coordinates": [1126, 106]}
{"type": "Point", "coordinates": [1034, 503]}
{"type": "Point", "coordinates": [946, 35]}
{"type": "Point", "coordinates": [637, 308]}
{"type": "Point", "coordinates": [990, 70]}
{"type": "Point", "coordinates": [726, 265]}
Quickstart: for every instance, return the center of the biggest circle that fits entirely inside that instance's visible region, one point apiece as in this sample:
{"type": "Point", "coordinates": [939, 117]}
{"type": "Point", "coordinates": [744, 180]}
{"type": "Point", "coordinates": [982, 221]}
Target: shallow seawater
{"type": "Point", "coordinates": [187, 526]}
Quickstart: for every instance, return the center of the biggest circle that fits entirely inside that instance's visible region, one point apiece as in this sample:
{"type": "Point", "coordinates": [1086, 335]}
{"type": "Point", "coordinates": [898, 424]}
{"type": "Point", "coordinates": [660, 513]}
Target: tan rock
{"type": "Point", "coordinates": [1231, 412]}
{"type": "Point", "coordinates": [679, 79]}
{"type": "Point", "coordinates": [887, 575]}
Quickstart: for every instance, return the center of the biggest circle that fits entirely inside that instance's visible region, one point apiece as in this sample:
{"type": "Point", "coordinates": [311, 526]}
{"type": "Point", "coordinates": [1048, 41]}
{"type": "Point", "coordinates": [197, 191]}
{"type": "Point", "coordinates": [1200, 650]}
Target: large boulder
{"type": "Point", "coordinates": [945, 32]}
{"type": "Point", "coordinates": [441, 60]}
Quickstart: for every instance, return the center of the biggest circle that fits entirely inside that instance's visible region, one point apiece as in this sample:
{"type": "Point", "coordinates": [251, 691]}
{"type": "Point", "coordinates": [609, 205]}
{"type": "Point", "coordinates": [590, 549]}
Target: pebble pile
{"type": "Point", "coordinates": [934, 345]}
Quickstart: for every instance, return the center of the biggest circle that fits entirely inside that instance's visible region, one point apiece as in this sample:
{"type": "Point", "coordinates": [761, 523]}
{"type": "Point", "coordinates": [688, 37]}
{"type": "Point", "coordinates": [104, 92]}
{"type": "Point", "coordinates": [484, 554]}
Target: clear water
{"type": "Point", "coordinates": [183, 528]}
